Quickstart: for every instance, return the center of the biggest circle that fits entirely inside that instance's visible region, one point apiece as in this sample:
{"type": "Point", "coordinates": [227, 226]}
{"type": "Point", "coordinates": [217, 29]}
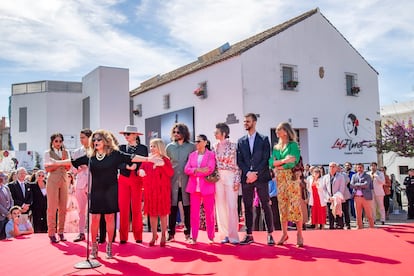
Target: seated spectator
{"type": "Point", "coordinates": [18, 225]}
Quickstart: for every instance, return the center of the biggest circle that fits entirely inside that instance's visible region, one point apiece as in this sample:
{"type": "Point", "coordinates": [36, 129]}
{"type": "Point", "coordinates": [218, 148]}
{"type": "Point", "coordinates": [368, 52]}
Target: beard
{"type": "Point", "coordinates": [177, 139]}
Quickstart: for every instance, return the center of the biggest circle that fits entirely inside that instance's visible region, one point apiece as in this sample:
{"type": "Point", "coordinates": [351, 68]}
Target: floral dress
{"type": "Point", "coordinates": [289, 192]}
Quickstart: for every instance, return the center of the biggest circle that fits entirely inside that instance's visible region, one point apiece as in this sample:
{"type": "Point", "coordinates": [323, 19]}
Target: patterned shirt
{"type": "Point", "coordinates": [226, 158]}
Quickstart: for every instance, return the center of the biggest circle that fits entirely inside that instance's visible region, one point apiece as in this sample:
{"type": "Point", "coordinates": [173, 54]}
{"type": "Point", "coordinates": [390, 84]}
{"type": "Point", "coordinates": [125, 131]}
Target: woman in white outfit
{"type": "Point", "coordinates": [228, 186]}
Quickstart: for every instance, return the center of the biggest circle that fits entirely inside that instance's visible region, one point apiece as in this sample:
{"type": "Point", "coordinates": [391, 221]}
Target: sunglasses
{"type": "Point", "coordinates": [57, 141]}
{"type": "Point", "coordinates": [176, 132]}
{"type": "Point", "coordinates": [127, 134]}
{"type": "Point", "coordinates": [198, 141]}
{"type": "Point", "coordinates": [96, 139]}
{"type": "Point", "coordinates": [41, 175]}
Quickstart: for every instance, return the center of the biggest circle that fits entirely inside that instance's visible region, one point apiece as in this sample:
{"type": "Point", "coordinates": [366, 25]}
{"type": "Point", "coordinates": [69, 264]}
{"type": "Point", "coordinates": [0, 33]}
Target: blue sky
{"type": "Point", "coordinates": [66, 39]}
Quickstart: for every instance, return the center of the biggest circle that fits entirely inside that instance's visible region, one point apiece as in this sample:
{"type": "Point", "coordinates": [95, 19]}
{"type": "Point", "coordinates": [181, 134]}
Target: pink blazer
{"type": "Point", "coordinates": [209, 160]}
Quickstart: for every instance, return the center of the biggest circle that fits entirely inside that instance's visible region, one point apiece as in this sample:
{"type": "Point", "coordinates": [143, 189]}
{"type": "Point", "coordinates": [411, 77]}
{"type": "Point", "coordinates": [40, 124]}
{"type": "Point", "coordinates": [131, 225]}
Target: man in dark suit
{"type": "Point", "coordinates": [253, 153]}
{"type": "Point", "coordinates": [21, 192]}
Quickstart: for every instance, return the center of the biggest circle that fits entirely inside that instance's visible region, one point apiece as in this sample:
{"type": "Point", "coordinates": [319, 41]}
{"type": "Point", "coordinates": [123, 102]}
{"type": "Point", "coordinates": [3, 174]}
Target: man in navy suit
{"type": "Point", "coordinates": [253, 153]}
{"type": "Point", "coordinates": [21, 192]}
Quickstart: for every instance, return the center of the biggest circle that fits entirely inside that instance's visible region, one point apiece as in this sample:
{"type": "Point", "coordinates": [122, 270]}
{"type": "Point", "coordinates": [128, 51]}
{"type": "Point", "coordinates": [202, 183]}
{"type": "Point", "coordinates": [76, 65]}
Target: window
{"type": "Point", "coordinates": [289, 77]}
{"type": "Point", "coordinates": [86, 113]}
{"type": "Point", "coordinates": [403, 169]}
{"type": "Point", "coordinates": [22, 146]}
{"type": "Point", "coordinates": [23, 119]}
{"type": "Point", "coordinates": [166, 101]}
{"type": "Point", "coordinates": [352, 88]}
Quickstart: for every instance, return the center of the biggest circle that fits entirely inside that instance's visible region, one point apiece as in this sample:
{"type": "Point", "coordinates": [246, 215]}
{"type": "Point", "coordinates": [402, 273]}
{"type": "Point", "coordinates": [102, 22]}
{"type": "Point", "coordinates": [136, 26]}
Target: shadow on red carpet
{"type": "Point", "coordinates": [364, 252]}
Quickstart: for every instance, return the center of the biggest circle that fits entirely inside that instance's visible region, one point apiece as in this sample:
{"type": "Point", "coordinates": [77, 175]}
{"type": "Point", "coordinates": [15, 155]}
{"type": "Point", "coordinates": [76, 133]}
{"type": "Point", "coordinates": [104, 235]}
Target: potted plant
{"type": "Point", "coordinates": [199, 92]}
{"type": "Point", "coordinates": [292, 83]}
{"type": "Point", "coordinates": [355, 90]}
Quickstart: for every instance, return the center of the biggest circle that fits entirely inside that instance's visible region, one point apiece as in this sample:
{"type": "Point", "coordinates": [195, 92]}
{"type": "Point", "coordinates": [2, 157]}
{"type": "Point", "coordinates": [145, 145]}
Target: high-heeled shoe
{"type": "Point", "coordinates": [299, 242]}
{"type": "Point", "coordinates": [163, 241]}
{"type": "Point", "coordinates": [153, 241]}
{"type": "Point", "coordinates": [283, 239]}
{"type": "Point", "coordinates": [109, 250]}
{"type": "Point", "coordinates": [94, 251]}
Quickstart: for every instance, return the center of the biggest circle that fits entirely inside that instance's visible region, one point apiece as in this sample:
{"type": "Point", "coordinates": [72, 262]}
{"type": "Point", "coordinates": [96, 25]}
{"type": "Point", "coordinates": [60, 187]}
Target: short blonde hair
{"type": "Point", "coordinates": [159, 144]}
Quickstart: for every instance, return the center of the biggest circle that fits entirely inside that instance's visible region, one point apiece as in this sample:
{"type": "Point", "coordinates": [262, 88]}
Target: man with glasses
{"type": "Point", "coordinates": [178, 151]}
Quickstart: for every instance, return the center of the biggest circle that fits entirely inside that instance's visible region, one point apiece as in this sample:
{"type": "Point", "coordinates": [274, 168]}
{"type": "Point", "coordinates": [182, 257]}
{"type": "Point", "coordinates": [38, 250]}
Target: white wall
{"type": "Point", "coordinates": [108, 89]}
{"type": "Point", "coordinates": [47, 113]}
{"type": "Point", "coordinates": [252, 83]}
{"type": "Point", "coordinates": [224, 97]}
{"type": "Point", "coordinates": [324, 98]}
{"type": "Point", "coordinates": [50, 112]}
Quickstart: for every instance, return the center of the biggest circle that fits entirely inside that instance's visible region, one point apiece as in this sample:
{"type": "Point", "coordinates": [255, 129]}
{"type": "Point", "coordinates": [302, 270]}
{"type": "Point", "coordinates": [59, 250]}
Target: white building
{"type": "Point", "coordinates": [302, 71]}
{"type": "Point", "coordinates": [395, 164]}
{"type": "Point", "coordinates": [39, 109]}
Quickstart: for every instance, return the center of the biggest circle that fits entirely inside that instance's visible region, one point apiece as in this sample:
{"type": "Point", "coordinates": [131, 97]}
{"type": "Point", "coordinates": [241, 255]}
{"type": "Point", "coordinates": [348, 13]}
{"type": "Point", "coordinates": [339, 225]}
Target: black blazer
{"type": "Point", "coordinates": [139, 150]}
{"type": "Point", "coordinates": [17, 193]}
{"type": "Point", "coordinates": [258, 161]}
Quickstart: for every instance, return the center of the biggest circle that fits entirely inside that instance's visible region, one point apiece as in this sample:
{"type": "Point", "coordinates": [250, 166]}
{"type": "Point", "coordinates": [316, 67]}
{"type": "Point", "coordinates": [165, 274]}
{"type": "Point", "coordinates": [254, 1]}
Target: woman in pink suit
{"type": "Point", "coordinates": [200, 164]}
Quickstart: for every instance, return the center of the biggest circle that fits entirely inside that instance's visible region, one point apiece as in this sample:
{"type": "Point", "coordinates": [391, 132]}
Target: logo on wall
{"type": "Point", "coordinates": [352, 129]}
{"type": "Point", "coordinates": [351, 124]}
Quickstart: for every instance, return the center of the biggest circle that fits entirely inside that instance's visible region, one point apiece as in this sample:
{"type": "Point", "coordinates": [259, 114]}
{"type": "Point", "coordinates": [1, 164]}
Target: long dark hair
{"type": "Point", "coordinates": [53, 137]}
{"type": "Point", "coordinates": [183, 129]}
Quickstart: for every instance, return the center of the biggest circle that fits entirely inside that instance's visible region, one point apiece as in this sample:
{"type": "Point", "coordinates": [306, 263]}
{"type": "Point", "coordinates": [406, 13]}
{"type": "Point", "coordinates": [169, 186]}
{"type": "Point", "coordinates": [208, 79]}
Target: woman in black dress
{"type": "Point", "coordinates": [104, 158]}
{"type": "Point", "coordinates": [39, 205]}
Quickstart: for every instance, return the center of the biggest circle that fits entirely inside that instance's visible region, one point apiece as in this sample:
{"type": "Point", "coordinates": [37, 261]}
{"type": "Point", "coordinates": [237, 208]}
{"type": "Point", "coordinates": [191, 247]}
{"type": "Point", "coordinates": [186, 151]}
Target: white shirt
{"type": "Point", "coordinates": [47, 158]}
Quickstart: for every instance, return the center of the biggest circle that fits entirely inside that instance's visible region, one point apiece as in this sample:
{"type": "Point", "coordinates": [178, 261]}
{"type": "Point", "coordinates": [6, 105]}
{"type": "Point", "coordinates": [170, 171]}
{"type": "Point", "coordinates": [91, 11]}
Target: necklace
{"type": "Point", "coordinates": [131, 148]}
{"type": "Point", "coordinates": [100, 156]}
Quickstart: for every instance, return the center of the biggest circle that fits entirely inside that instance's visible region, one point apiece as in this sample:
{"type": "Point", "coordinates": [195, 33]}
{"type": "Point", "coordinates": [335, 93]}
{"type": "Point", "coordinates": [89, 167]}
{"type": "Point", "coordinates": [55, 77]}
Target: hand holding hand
{"type": "Point", "coordinates": [251, 177]}
{"type": "Point", "coordinates": [158, 161]}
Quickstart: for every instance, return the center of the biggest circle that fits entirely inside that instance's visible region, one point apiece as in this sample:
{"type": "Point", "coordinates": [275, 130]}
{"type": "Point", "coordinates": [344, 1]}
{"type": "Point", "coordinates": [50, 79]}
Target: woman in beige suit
{"type": "Point", "coordinates": [56, 187]}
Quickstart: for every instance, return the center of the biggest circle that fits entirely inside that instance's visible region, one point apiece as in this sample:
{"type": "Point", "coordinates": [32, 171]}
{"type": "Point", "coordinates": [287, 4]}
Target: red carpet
{"type": "Point", "coordinates": [387, 250]}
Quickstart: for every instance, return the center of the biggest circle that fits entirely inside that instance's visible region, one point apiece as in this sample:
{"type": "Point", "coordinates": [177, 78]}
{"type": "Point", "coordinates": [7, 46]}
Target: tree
{"type": "Point", "coordinates": [397, 137]}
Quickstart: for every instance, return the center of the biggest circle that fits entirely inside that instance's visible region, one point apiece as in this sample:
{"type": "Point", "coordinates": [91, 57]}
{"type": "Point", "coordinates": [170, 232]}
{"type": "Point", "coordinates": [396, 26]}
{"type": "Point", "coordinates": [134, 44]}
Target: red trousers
{"type": "Point", "coordinates": [129, 199]}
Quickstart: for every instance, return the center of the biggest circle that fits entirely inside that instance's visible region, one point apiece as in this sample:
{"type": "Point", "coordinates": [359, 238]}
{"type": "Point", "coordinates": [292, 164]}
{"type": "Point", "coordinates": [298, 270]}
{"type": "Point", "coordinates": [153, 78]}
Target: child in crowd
{"type": "Point", "coordinates": [18, 224]}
